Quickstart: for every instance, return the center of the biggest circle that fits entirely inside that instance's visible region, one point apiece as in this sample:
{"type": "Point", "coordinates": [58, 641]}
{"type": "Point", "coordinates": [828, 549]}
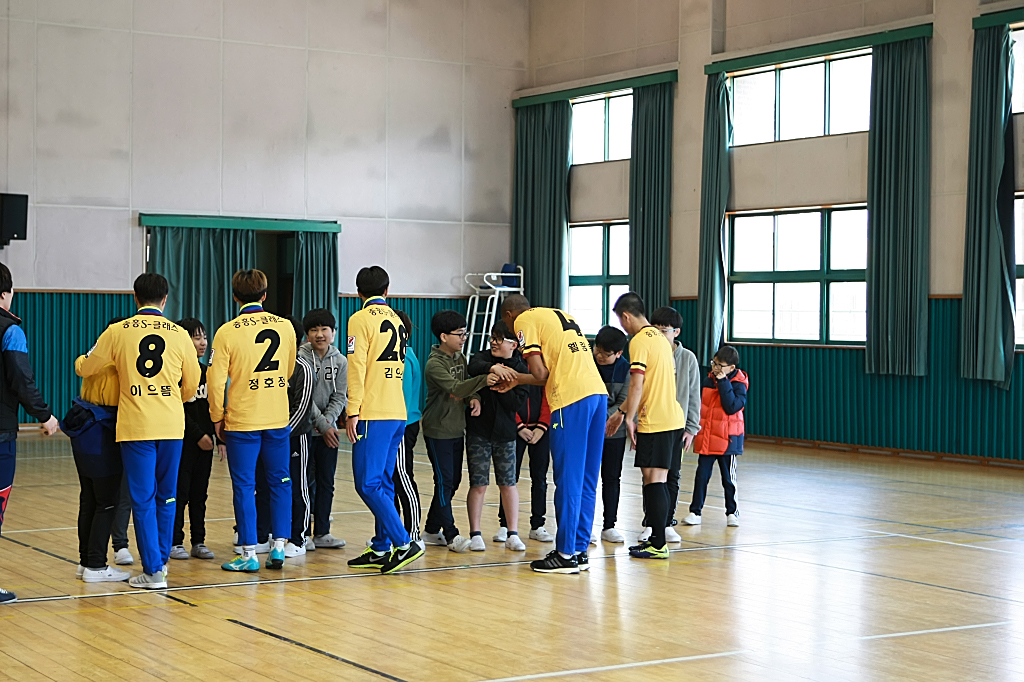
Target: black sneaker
{"type": "Point", "coordinates": [368, 560]}
{"type": "Point", "coordinates": [400, 558]}
{"type": "Point", "coordinates": [555, 563]}
{"type": "Point", "coordinates": [583, 561]}
{"type": "Point", "coordinates": [7, 597]}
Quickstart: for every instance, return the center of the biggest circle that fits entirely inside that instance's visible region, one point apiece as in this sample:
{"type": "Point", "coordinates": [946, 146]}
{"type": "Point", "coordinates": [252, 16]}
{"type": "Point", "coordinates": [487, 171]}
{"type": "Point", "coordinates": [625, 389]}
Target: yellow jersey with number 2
{"type": "Point", "coordinates": [376, 360]}
{"type": "Point", "coordinates": [555, 336]}
{"type": "Point", "coordinates": [256, 351]}
{"type": "Point", "coordinates": [651, 355]}
{"type": "Point", "coordinates": [151, 356]}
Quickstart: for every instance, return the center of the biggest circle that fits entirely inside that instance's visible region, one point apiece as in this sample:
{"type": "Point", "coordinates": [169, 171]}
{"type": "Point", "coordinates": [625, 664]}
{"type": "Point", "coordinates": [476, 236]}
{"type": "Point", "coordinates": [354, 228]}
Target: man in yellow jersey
{"type": "Point", "coordinates": [256, 352]}
{"type": "Point", "coordinates": [560, 359]}
{"type": "Point", "coordinates": [376, 419]}
{"type": "Point", "coordinates": [658, 434]}
{"type": "Point", "coordinates": [157, 371]}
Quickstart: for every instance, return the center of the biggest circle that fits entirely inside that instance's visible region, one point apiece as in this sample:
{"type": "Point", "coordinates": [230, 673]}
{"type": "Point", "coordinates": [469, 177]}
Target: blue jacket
{"type": "Point", "coordinates": [412, 387]}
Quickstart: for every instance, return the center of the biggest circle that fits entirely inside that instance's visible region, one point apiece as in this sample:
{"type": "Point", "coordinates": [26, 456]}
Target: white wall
{"type": "Point", "coordinates": [390, 116]}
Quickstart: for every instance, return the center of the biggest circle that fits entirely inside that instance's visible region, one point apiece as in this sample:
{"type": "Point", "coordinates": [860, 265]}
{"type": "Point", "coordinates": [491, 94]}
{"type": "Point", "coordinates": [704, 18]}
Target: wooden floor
{"type": "Point", "coordinates": [846, 568]}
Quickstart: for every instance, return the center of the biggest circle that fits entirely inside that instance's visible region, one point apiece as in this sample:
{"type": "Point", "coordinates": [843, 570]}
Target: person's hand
{"type": "Point", "coordinates": [218, 429]}
{"type": "Point", "coordinates": [222, 450]}
{"type": "Point", "coordinates": [538, 433]}
{"type": "Point", "coordinates": [631, 430]}
{"type": "Point", "coordinates": [493, 379]}
{"type": "Point", "coordinates": [526, 435]}
{"type": "Point", "coordinates": [350, 429]}
{"type": "Point", "coordinates": [506, 386]}
{"type": "Point", "coordinates": [504, 373]}
{"type": "Point", "coordinates": [687, 440]}
{"type": "Point", "coordinates": [614, 422]}
{"type": "Point", "coordinates": [206, 443]}
{"type": "Point", "coordinates": [474, 408]}
{"type": "Point", "coordinates": [332, 437]}
{"type": "Point", "coordinates": [50, 426]}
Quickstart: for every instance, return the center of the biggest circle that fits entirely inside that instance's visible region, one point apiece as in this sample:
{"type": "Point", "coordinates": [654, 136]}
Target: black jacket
{"type": "Point", "coordinates": [197, 414]}
{"type": "Point", "coordinates": [497, 420]}
{"type": "Point", "coordinates": [17, 382]}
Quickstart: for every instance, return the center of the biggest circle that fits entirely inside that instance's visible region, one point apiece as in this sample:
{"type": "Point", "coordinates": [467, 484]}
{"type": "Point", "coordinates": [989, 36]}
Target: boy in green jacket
{"type": "Point", "coordinates": [449, 390]}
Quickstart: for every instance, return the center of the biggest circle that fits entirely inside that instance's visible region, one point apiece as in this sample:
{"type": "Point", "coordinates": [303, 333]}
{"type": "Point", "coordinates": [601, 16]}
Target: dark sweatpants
{"type": "Point", "coordinates": [611, 477]}
{"type": "Point", "coordinates": [407, 493]}
{"type": "Point", "coordinates": [446, 459]}
{"type": "Point", "coordinates": [193, 488]}
{"type": "Point", "coordinates": [97, 502]}
{"type": "Point", "coordinates": [705, 465]}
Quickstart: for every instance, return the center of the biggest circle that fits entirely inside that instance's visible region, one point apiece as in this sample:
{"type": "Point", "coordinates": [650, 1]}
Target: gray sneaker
{"type": "Point", "coordinates": [309, 545]}
{"type": "Point", "coordinates": [145, 581]}
{"type": "Point", "coordinates": [178, 552]}
{"type": "Point", "coordinates": [201, 551]}
{"type": "Point", "coordinates": [328, 541]}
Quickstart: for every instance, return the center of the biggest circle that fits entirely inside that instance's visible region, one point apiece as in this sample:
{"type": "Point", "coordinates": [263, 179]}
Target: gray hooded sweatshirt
{"type": "Point", "coordinates": [330, 386]}
{"type": "Point", "coordinates": [688, 386]}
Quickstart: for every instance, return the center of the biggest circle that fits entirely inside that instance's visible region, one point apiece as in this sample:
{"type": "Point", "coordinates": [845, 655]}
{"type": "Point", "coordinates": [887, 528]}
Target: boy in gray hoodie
{"type": "Point", "coordinates": [330, 397]}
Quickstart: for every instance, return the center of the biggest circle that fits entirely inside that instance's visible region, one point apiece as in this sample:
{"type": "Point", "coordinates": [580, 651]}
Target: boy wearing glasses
{"type": "Point", "coordinates": [608, 346]}
{"type": "Point", "coordinates": [723, 397]}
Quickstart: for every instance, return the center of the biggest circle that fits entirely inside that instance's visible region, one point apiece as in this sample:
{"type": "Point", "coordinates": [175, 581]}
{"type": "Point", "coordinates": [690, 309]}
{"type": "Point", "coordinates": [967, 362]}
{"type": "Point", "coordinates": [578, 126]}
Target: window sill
{"type": "Point", "coordinates": [845, 346]}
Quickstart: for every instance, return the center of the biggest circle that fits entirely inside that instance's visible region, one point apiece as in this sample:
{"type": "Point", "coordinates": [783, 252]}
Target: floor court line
{"type": "Point", "coordinates": [936, 630]}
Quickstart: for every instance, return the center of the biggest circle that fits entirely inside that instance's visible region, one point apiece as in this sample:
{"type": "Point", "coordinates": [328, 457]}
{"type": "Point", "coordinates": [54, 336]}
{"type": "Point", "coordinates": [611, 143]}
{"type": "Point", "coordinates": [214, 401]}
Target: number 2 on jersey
{"type": "Point", "coordinates": [267, 363]}
{"type": "Point", "coordinates": [151, 355]}
{"type": "Point", "coordinates": [399, 339]}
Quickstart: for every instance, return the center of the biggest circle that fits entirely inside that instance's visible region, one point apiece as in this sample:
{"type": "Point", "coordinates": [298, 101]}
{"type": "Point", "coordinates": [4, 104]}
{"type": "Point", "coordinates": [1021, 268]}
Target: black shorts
{"type": "Point", "coordinates": [657, 450]}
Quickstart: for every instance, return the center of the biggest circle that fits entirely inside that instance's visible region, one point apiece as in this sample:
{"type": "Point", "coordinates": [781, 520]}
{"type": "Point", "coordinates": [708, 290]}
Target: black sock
{"type": "Point", "coordinates": [656, 497]}
{"type": "Point", "coordinates": [474, 533]}
{"type": "Point", "coordinates": [513, 532]}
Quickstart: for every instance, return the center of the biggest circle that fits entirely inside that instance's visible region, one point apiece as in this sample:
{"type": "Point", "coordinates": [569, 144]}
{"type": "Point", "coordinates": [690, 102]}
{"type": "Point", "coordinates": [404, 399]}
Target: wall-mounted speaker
{"type": "Point", "coordinates": [13, 217]}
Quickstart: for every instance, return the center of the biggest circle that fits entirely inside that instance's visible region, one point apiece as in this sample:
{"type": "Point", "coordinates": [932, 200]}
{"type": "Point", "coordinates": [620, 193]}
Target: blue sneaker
{"type": "Point", "coordinates": [276, 559]}
{"type": "Point", "coordinates": [242, 565]}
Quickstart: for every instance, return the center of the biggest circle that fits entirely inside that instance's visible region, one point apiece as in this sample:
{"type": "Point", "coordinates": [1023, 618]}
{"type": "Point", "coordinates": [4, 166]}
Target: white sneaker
{"type": "Point", "coordinates": [309, 545]}
{"type": "Point", "coordinates": [80, 571]}
{"type": "Point", "coordinates": [145, 581]}
{"type": "Point", "coordinates": [732, 520]}
{"type": "Point", "coordinates": [328, 541]}
{"type": "Point", "coordinates": [612, 535]}
{"type": "Point", "coordinates": [515, 543]}
{"type": "Point", "coordinates": [671, 535]}
{"type": "Point", "coordinates": [179, 552]}
{"type": "Point", "coordinates": [106, 575]}
{"type": "Point", "coordinates": [123, 557]}
{"type": "Point", "coordinates": [434, 539]}
{"type": "Point", "coordinates": [501, 535]}
{"type": "Point", "coordinates": [477, 544]}
{"type": "Point", "coordinates": [645, 535]}
{"type": "Point", "coordinates": [541, 535]}
{"type": "Point", "coordinates": [262, 548]}
{"type": "Point", "coordinates": [291, 550]}
{"type": "Point", "coordinates": [593, 537]}
{"type": "Point", "coordinates": [460, 544]}
{"type": "Point", "coordinates": [692, 520]}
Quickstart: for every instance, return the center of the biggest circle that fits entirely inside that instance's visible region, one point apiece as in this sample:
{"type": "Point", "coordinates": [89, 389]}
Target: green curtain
{"type": "Point", "coordinates": [198, 263]}
{"type": "Point", "coordinates": [986, 315]}
{"type": "Point", "coordinates": [899, 196]}
{"type": "Point", "coordinates": [540, 199]}
{"type": "Point", "coordinates": [650, 193]}
{"type": "Point", "coordinates": [714, 197]}
{"type": "Point", "coordinates": [315, 283]}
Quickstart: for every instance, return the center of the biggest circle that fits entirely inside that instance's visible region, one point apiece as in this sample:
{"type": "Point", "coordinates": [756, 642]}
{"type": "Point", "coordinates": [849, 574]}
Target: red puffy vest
{"type": "Point", "coordinates": [716, 426]}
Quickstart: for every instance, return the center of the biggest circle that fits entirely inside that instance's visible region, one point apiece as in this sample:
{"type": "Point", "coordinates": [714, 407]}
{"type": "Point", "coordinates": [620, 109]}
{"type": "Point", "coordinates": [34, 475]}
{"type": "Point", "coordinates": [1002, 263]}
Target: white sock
{"type": "Point", "coordinates": [249, 551]}
{"type": "Point", "coordinates": [279, 543]}
{"type": "Point", "coordinates": [564, 555]}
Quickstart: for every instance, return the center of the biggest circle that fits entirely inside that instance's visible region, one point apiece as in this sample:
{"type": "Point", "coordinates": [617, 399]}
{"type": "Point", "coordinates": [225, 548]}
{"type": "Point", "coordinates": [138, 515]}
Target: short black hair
{"type": "Point", "coordinates": [300, 329]}
{"type": "Point", "coordinates": [150, 288]}
{"type": "Point", "coordinates": [249, 286]}
{"type": "Point", "coordinates": [667, 317]}
{"type": "Point", "coordinates": [445, 322]}
{"type": "Point", "coordinates": [631, 303]}
{"type": "Point", "coordinates": [6, 281]}
{"type": "Point", "coordinates": [372, 281]}
{"type": "Point", "coordinates": [728, 355]}
{"type": "Point", "coordinates": [500, 330]}
{"type": "Point", "coordinates": [191, 325]}
{"type": "Point", "coordinates": [610, 339]}
{"type": "Point", "coordinates": [319, 317]}
{"type": "Point", "coordinates": [406, 322]}
{"type": "Point", "coordinates": [514, 303]}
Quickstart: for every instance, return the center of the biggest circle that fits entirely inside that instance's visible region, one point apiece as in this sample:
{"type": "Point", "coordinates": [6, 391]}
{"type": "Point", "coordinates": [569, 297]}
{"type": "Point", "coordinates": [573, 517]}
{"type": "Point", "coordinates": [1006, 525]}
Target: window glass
{"type": "Point", "coordinates": [802, 101]}
{"type": "Point", "coordinates": [620, 127]}
{"type": "Point", "coordinates": [849, 240]}
{"type": "Point", "coordinates": [849, 88]}
{"type": "Point", "coordinates": [798, 310]}
{"type": "Point", "coordinates": [614, 291]}
{"type": "Point", "coordinates": [753, 243]}
{"type": "Point", "coordinates": [753, 108]}
{"type": "Point", "coordinates": [1019, 323]}
{"type": "Point", "coordinates": [1018, 222]}
{"type": "Point", "coordinates": [752, 311]}
{"type": "Point", "coordinates": [1017, 102]}
{"type": "Point", "coordinates": [799, 241]}
{"type": "Point", "coordinates": [618, 250]}
{"type": "Point", "coordinates": [586, 256]}
{"type": "Point", "coordinates": [585, 306]}
{"type": "Point", "coordinates": [588, 131]}
{"type": "Point", "coordinates": [848, 306]}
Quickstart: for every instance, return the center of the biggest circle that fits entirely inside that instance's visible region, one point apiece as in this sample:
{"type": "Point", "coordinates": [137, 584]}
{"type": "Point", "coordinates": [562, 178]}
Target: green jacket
{"type": "Point", "coordinates": [449, 390]}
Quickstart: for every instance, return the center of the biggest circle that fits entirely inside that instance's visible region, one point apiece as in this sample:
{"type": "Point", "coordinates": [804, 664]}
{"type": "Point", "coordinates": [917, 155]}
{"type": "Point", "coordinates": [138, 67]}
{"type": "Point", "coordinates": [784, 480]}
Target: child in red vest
{"type": "Point", "coordinates": [723, 397]}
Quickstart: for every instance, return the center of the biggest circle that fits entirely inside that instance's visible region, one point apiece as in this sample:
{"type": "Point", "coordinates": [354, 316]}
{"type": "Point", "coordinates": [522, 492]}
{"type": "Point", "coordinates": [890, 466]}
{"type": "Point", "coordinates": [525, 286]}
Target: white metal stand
{"type": "Point", "coordinates": [490, 288]}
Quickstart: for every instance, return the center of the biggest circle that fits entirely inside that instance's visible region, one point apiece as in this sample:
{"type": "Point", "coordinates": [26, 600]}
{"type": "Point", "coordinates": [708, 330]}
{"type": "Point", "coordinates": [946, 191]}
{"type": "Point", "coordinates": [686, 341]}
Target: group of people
{"type": "Point", "coordinates": [278, 396]}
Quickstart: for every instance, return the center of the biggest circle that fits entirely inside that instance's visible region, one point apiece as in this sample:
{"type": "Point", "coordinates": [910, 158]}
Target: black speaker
{"type": "Point", "coordinates": [13, 217]}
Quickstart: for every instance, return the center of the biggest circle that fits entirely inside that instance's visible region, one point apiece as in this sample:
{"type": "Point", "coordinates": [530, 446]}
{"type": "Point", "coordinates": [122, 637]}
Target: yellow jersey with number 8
{"type": "Point", "coordinates": [555, 336]}
{"type": "Point", "coordinates": [256, 351]}
{"type": "Point", "coordinates": [151, 356]}
{"type": "Point", "coordinates": [376, 360]}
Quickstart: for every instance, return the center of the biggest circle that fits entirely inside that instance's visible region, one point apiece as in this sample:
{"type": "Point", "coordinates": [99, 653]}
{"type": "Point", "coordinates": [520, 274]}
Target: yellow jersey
{"type": "Point", "coordinates": [256, 352]}
{"type": "Point", "coordinates": [376, 359]}
{"type": "Point", "coordinates": [555, 336]}
{"type": "Point", "coordinates": [651, 354]}
{"type": "Point", "coordinates": [157, 371]}
{"type": "Point", "coordinates": [102, 388]}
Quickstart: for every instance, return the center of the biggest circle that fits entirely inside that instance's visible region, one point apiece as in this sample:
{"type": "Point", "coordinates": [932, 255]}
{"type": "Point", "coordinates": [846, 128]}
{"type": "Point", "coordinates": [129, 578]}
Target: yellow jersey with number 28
{"type": "Point", "coordinates": [555, 336]}
{"type": "Point", "coordinates": [376, 360]}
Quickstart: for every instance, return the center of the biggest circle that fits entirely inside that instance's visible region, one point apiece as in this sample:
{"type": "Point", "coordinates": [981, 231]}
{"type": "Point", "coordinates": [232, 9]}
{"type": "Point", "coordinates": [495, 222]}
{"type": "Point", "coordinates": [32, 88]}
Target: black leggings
{"type": "Point", "coordinates": [96, 505]}
{"type": "Point", "coordinates": [611, 476]}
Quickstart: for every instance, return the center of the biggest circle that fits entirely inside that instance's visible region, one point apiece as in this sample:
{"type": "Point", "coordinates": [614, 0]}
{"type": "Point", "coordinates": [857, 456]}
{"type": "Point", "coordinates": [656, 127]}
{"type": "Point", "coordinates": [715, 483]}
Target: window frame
{"type": "Point", "coordinates": [777, 70]}
{"type": "Point", "coordinates": [604, 280]}
{"type": "Point", "coordinates": [824, 276]}
{"type": "Point", "coordinates": [607, 97]}
{"type": "Point", "coordinates": [1017, 196]}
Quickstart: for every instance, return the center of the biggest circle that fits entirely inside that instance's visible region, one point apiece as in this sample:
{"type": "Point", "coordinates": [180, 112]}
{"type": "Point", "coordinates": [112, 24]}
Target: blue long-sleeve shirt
{"type": "Point", "coordinates": [412, 387]}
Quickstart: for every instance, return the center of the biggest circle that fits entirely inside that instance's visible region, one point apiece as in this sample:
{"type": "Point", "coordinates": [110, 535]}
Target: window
{"type": "Point", "coordinates": [598, 273]}
{"type": "Point", "coordinates": [788, 267]}
{"type": "Point", "coordinates": [827, 96]}
{"type": "Point", "coordinates": [1018, 224]}
{"type": "Point", "coordinates": [602, 127]}
{"type": "Point", "coordinates": [1017, 101]}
